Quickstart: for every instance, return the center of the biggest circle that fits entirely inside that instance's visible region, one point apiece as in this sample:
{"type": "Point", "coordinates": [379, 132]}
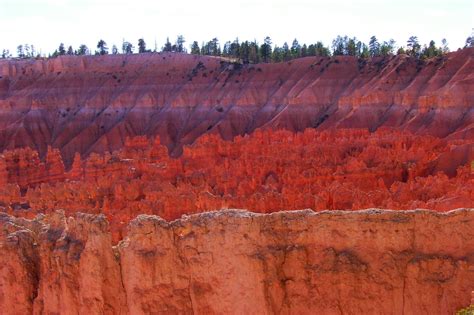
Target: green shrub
{"type": "Point", "coordinates": [466, 311]}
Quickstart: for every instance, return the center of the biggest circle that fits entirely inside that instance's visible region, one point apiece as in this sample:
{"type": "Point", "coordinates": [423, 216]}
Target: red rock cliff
{"type": "Point", "coordinates": [364, 262]}
{"type": "Point", "coordinates": [91, 104]}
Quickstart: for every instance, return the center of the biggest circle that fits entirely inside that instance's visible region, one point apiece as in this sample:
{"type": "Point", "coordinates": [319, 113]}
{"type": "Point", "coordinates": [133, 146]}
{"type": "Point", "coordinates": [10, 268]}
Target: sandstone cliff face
{"type": "Point", "coordinates": [55, 265]}
{"type": "Point", "coordinates": [236, 262]}
{"type": "Point", "coordinates": [91, 104]}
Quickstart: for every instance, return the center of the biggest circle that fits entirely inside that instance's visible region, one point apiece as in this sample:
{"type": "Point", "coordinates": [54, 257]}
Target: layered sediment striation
{"type": "Point", "coordinates": [92, 103]}
{"type": "Point", "coordinates": [363, 262]}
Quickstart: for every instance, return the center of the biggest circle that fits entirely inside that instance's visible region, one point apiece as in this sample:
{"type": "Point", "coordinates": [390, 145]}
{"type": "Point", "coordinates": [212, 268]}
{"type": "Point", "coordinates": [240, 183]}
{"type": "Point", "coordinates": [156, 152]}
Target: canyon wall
{"type": "Point", "coordinates": [237, 262]}
{"type": "Point", "coordinates": [126, 144]}
{"type": "Point", "coordinates": [92, 103]}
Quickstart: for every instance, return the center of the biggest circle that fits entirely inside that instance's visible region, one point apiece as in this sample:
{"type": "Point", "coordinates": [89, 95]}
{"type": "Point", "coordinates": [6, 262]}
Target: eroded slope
{"type": "Point", "coordinates": [91, 104]}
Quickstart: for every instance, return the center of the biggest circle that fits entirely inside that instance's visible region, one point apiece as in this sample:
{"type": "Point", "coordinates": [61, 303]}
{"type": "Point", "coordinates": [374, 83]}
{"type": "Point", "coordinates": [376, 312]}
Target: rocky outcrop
{"type": "Point", "coordinates": [235, 262]}
{"type": "Point", "coordinates": [24, 168]}
{"type": "Point", "coordinates": [55, 264]}
{"type": "Point", "coordinates": [92, 103]}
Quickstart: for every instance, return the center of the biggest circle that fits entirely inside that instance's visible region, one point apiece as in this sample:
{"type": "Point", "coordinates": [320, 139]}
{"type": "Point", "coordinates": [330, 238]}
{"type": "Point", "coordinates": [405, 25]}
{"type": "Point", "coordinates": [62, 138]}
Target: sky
{"type": "Point", "coordinates": [47, 23]}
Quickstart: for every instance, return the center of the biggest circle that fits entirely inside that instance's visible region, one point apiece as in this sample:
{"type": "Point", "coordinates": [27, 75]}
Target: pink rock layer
{"type": "Point", "coordinates": [92, 103]}
{"type": "Point", "coordinates": [237, 262]}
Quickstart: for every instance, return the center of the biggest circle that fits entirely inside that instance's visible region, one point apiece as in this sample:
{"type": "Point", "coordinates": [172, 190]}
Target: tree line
{"type": "Point", "coordinates": [254, 52]}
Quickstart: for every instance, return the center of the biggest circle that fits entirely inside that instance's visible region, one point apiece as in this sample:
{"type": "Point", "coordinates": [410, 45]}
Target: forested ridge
{"type": "Point", "coordinates": [253, 51]}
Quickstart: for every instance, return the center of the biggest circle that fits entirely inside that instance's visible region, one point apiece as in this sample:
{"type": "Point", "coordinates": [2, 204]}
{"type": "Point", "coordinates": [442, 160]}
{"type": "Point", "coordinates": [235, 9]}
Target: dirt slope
{"type": "Point", "coordinates": [92, 103]}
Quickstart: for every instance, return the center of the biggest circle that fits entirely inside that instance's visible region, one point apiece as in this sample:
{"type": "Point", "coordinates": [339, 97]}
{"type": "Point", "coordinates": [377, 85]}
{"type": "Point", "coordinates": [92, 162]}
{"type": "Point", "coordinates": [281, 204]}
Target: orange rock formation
{"type": "Point", "coordinates": [266, 171]}
{"type": "Point", "coordinates": [362, 262]}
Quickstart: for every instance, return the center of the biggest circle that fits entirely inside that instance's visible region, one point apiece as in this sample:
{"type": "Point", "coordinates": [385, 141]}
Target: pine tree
{"type": "Point", "coordinates": [141, 46]}
{"type": "Point", "coordinates": [431, 51]}
{"type": "Point", "coordinates": [6, 54]}
{"type": "Point", "coordinates": [61, 50]}
{"type": "Point", "coordinates": [266, 49]}
{"type": "Point", "coordinates": [444, 48]}
{"type": "Point", "coordinates": [469, 42]}
{"type": "Point", "coordinates": [352, 49]}
{"type": "Point", "coordinates": [205, 49]}
{"type": "Point", "coordinates": [20, 51]}
{"type": "Point", "coordinates": [27, 51]}
{"type": "Point", "coordinates": [70, 51]}
{"type": "Point", "coordinates": [321, 50]}
{"type": "Point", "coordinates": [102, 45]}
{"type": "Point", "coordinates": [374, 46]}
{"type": "Point", "coordinates": [286, 54]}
{"type": "Point", "coordinates": [245, 52]}
{"type": "Point", "coordinates": [167, 47]}
{"type": "Point", "coordinates": [311, 50]}
{"type": "Point", "coordinates": [254, 52]}
{"type": "Point", "coordinates": [339, 46]}
{"type": "Point", "coordinates": [33, 51]}
{"type": "Point", "coordinates": [277, 55]}
{"type": "Point", "coordinates": [180, 44]}
{"type": "Point", "coordinates": [413, 46]}
{"type": "Point", "coordinates": [365, 53]}
{"type": "Point", "coordinates": [83, 50]}
{"type": "Point", "coordinates": [212, 48]}
{"type": "Point", "coordinates": [235, 49]}
{"type": "Point", "coordinates": [304, 50]}
{"type": "Point", "coordinates": [387, 48]}
{"type": "Point", "coordinates": [195, 48]}
{"type": "Point", "coordinates": [295, 49]}
{"type": "Point", "coordinates": [226, 49]}
{"type": "Point", "coordinates": [127, 47]}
